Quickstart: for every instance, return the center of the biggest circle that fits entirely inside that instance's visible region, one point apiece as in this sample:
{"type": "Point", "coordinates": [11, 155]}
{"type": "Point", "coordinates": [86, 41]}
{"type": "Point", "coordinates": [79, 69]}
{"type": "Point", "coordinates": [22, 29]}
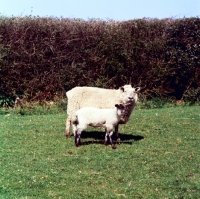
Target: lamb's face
{"type": "Point", "coordinates": [129, 94]}
{"type": "Point", "coordinates": [121, 109]}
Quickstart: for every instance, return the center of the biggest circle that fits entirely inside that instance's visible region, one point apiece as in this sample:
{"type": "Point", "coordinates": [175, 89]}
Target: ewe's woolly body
{"type": "Point", "coordinates": [88, 96]}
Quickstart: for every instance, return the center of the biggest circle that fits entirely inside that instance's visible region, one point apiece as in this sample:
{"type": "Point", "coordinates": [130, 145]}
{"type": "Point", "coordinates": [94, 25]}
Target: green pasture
{"type": "Point", "coordinates": [158, 158]}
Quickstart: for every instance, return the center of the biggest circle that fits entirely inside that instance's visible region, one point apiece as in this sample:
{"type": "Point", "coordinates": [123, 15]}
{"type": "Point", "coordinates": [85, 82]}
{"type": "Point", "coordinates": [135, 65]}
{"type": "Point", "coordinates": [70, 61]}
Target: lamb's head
{"type": "Point", "coordinates": [129, 94]}
{"type": "Point", "coordinates": [121, 109]}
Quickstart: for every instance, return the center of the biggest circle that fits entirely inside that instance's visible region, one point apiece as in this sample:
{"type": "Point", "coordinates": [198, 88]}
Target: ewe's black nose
{"type": "Point", "coordinates": [130, 98]}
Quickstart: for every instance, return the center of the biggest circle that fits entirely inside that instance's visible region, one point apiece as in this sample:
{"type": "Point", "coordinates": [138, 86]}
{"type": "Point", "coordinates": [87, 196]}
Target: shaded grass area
{"type": "Point", "coordinates": [158, 157]}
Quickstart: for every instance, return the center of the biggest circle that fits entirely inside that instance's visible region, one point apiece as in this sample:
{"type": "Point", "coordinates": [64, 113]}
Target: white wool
{"type": "Point", "coordinates": [90, 116]}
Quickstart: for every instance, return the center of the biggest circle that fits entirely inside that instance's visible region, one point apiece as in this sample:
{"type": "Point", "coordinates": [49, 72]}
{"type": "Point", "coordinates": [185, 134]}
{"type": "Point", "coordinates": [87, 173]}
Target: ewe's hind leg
{"type": "Point", "coordinates": [68, 123]}
{"type": "Point", "coordinates": [74, 128]}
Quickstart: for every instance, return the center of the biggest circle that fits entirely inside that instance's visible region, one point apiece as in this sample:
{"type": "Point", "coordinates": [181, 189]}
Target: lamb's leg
{"type": "Point", "coordinates": [77, 137]}
{"type": "Point", "coordinates": [111, 141]}
{"type": "Point", "coordinates": [109, 133]}
{"type": "Point", "coordinates": [68, 123]}
{"type": "Point", "coordinates": [106, 138]}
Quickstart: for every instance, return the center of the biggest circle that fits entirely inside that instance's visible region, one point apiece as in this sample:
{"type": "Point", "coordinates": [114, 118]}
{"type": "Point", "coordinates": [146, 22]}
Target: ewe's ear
{"type": "Point", "coordinates": [116, 105]}
{"type": "Point", "coordinates": [137, 89]}
{"type": "Point", "coordinates": [121, 89]}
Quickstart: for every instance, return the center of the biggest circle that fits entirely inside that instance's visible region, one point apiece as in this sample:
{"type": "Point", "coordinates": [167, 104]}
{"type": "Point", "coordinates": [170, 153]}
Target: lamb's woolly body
{"type": "Point", "coordinates": [80, 97]}
{"type": "Point", "coordinates": [90, 116]}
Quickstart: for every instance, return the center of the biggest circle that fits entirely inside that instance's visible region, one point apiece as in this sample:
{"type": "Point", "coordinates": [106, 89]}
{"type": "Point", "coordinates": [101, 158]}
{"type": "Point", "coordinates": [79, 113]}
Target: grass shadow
{"type": "Point", "coordinates": [98, 137]}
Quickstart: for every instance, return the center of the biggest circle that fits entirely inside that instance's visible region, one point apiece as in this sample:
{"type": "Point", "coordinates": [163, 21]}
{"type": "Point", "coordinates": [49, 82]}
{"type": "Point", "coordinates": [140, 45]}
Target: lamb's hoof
{"type": "Point", "coordinates": [113, 146]}
{"type": "Point", "coordinates": [77, 145]}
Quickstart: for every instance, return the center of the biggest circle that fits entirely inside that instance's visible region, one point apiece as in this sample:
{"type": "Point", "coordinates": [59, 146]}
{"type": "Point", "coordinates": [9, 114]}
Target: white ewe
{"type": "Point", "coordinates": [80, 97]}
{"type": "Point", "coordinates": [90, 116]}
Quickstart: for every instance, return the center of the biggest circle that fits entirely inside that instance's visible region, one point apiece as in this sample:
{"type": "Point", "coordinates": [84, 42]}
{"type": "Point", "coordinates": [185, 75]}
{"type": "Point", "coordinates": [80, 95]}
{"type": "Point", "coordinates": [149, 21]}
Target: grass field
{"type": "Point", "coordinates": [159, 157]}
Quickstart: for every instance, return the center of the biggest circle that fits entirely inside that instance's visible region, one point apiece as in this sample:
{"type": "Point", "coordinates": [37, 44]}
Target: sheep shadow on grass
{"type": "Point", "coordinates": [98, 138]}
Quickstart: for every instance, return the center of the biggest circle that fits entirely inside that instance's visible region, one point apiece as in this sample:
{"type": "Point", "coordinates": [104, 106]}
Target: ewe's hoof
{"type": "Point", "coordinates": [118, 140]}
{"type": "Point", "coordinates": [114, 147]}
{"type": "Point", "coordinates": [67, 135]}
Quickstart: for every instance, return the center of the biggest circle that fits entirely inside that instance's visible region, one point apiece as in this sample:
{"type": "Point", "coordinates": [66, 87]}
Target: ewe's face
{"type": "Point", "coordinates": [129, 94]}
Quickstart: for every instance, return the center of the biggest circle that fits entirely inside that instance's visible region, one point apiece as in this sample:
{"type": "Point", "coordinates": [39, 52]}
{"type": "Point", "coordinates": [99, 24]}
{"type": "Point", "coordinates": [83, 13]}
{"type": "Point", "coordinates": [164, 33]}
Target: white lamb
{"type": "Point", "coordinates": [80, 97]}
{"type": "Point", "coordinates": [90, 116]}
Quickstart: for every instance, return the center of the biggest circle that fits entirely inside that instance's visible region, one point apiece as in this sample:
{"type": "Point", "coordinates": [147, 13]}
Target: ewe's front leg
{"type": "Point", "coordinates": [116, 134]}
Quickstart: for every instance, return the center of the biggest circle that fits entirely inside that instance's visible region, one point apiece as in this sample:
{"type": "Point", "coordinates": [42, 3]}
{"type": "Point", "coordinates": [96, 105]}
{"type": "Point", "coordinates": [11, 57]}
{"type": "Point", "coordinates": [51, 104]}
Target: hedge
{"type": "Point", "coordinates": [42, 58]}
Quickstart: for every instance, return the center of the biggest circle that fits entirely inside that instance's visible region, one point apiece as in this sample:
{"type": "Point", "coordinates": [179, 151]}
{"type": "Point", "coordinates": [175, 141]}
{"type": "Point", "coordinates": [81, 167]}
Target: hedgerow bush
{"type": "Point", "coordinates": [42, 58]}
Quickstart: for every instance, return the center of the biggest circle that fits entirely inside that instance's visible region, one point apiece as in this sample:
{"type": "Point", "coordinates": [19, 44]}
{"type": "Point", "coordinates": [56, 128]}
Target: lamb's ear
{"type": "Point", "coordinates": [117, 105]}
{"type": "Point", "coordinates": [121, 89]}
{"type": "Point", "coordinates": [137, 89]}
{"type": "Point", "coordinates": [122, 106]}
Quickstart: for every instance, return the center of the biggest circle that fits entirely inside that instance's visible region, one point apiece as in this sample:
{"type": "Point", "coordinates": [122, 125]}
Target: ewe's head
{"type": "Point", "coordinates": [129, 94]}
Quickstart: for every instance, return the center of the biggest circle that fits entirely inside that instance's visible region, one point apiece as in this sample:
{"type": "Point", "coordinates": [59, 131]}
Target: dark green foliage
{"type": "Point", "coordinates": [6, 100]}
{"type": "Point", "coordinates": [42, 58]}
{"type": "Point", "coordinates": [183, 51]}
